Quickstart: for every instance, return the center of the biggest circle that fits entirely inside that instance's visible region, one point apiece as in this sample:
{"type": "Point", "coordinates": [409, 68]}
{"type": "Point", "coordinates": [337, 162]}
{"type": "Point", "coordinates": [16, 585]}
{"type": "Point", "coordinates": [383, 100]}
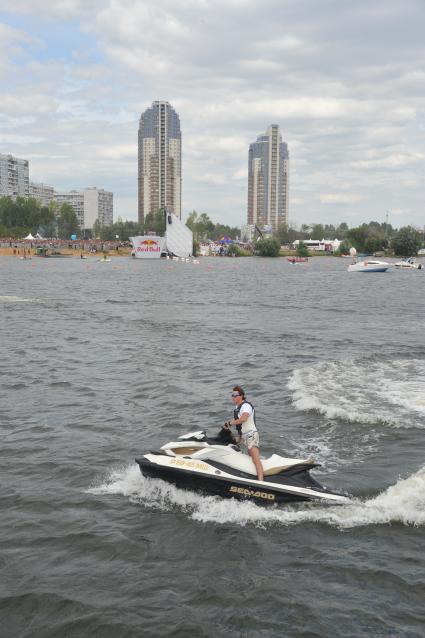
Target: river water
{"type": "Point", "coordinates": [103, 361]}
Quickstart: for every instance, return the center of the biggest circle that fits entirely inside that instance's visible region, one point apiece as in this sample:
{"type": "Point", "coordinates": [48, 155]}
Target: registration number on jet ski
{"type": "Point", "coordinates": [247, 492]}
{"type": "Point", "coordinates": [193, 465]}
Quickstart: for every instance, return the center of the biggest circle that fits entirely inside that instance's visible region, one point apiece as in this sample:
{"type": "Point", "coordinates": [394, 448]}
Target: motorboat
{"type": "Point", "coordinates": [408, 263]}
{"type": "Point", "coordinates": [369, 265]}
{"type": "Point", "coordinates": [217, 466]}
{"type": "Point", "coordinates": [297, 260]}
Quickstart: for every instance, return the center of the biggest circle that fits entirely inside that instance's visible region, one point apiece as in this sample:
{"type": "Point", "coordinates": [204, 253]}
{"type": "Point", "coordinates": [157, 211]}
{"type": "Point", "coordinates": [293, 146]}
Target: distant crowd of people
{"type": "Point", "coordinates": [86, 245]}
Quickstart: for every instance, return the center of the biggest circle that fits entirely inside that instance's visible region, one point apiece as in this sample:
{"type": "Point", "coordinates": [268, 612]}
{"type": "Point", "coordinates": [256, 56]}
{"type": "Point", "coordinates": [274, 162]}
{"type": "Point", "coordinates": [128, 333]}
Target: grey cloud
{"type": "Point", "coordinates": [345, 81]}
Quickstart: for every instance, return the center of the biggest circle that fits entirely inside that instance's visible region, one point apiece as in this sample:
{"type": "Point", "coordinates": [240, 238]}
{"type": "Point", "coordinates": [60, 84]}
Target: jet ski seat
{"type": "Point", "coordinates": [276, 469]}
{"type": "Point", "coordinates": [243, 462]}
{"type": "Point", "coordinates": [184, 450]}
{"type": "Point", "coordinates": [195, 446]}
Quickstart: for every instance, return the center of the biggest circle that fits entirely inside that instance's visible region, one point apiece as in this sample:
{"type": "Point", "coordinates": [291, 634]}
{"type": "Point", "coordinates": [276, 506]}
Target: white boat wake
{"type": "Point", "coordinates": [402, 503]}
{"type": "Point", "coordinates": [363, 391]}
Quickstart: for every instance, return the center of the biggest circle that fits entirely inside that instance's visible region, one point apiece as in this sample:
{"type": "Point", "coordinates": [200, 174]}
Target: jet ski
{"type": "Point", "coordinates": [217, 466]}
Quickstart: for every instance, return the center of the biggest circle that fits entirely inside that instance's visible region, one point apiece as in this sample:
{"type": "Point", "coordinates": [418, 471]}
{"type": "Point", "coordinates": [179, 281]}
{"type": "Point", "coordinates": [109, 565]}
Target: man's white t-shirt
{"type": "Point", "coordinates": [249, 425]}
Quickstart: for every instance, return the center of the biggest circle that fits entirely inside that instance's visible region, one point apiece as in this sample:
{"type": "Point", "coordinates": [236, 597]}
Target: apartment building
{"type": "Point", "coordinates": [159, 160]}
{"type": "Point", "coordinates": [14, 177]}
{"type": "Point", "coordinates": [268, 180]}
{"type": "Point", "coordinates": [42, 192]}
{"type": "Point", "coordinates": [89, 205]}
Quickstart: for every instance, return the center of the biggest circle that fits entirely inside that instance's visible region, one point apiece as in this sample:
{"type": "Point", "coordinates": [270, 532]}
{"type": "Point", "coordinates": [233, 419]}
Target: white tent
{"type": "Point", "coordinates": [29, 236]}
{"type": "Point", "coordinates": [38, 236]}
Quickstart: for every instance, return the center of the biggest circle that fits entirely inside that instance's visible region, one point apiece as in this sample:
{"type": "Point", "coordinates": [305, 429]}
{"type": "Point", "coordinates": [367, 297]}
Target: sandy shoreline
{"type": "Point", "coordinates": [19, 252]}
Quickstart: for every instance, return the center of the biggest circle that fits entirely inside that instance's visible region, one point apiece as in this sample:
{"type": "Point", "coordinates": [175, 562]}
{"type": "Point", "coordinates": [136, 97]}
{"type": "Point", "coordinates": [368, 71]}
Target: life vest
{"type": "Point", "coordinates": [249, 425]}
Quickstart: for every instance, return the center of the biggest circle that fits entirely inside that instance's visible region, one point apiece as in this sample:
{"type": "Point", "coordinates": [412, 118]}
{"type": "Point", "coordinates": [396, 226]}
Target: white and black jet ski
{"type": "Point", "coordinates": [217, 466]}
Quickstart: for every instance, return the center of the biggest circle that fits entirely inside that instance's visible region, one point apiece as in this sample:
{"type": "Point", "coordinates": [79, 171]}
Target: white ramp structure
{"type": "Point", "coordinates": [178, 237]}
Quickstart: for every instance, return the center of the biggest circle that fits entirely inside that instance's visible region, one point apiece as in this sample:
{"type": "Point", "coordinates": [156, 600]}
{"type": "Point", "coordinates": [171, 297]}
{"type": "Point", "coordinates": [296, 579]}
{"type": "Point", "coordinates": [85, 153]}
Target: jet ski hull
{"type": "Point", "coordinates": [220, 482]}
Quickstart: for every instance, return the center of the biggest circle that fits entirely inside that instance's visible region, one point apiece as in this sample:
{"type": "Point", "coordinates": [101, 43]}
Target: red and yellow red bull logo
{"type": "Point", "coordinates": [149, 246]}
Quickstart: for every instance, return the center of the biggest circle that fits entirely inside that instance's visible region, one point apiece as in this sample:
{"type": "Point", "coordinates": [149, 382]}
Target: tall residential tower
{"type": "Point", "coordinates": [159, 170]}
{"type": "Point", "coordinates": [14, 177]}
{"type": "Point", "coordinates": [268, 180]}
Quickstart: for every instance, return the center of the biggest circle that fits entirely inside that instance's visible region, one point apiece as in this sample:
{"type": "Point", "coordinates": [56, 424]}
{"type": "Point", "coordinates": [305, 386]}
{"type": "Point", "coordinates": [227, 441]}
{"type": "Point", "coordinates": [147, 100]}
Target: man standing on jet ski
{"type": "Point", "coordinates": [244, 420]}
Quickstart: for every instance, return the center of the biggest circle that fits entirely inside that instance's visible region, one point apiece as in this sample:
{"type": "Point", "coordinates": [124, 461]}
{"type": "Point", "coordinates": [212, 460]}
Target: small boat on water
{"type": "Point", "coordinates": [297, 260]}
{"type": "Point", "coordinates": [369, 265]}
{"type": "Point", "coordinates": [104, 259]}
{"type": "Point", "coordinates": [46, 252]}
{"type": "Point", "coordinates": [408, 263]}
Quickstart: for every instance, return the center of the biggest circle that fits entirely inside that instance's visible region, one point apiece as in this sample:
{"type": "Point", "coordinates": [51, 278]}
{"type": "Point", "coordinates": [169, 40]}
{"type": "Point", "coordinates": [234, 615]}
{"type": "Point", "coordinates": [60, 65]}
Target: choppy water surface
{"type": "Point", "coordinates": [100, 362]}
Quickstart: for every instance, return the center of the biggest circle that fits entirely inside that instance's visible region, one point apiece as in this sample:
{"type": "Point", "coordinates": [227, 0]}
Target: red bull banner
{"type": "Point", "coordinates": [147, 246]}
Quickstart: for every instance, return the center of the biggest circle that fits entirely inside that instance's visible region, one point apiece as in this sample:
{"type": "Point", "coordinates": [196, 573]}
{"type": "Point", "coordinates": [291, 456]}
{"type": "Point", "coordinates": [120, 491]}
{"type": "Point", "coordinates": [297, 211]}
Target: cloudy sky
{"type": "Point", "coordinates": [344, 79]}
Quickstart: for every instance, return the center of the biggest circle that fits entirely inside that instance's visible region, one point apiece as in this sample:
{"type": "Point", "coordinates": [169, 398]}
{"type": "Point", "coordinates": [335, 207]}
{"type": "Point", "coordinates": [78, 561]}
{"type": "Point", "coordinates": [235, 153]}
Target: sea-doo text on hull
{"type": "Point", "coordinates": [217, 466]}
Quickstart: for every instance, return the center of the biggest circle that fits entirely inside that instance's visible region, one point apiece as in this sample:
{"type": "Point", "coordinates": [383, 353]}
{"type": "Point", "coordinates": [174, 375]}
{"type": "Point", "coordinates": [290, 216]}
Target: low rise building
{"type": "Point", "coordinates": [317, 245]}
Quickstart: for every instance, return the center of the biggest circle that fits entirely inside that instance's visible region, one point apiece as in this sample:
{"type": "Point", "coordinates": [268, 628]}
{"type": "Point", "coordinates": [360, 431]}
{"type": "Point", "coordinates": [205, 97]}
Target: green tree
{"type": "Point", "coordinates": [305, 231]}
{"type": "Point", "coordinates": [155, 222]}
{"type": "Point", "coordinates": [220, 230]}
{"type": "Point", "coordinates": [373, 244]}
{"type": "Point", "coordinates": [7, 213]}
{"type": "Point", "coordinates": [329, 232]}
{"type": "Point", "coordinates": [344, 249]}
{"type": "Point", "coordinates": [96, 230]}
{"type": "Point", "coordinates": [203, 228]}
{"type": "Point", "coordinates": [233, 249]}
{"type": "Point", "coordinates": [406, 242]}
{"type": "Point", "coordinates": [67, 222]}
{"type": "Point", "coordinates": [200, 225]}
{"type": "Point", "coordinates": [128, 229]}
{"type": "Point", "coordinates": [267, 247]}
{"type": "Point", "coordinates": [318, 232]}
{"type": "Point", "coordinates": [357, 237]}
{"type": "Point", "coordinates": [24, 215]}
{"type": "Point", "coordinates": [49, 225]}
{"type": "Point", "coordinates": [302, 250]}
{"type": "Point", "coordinates": [341, 231]}
{"type": "Point", "coordinates": [286, 235]}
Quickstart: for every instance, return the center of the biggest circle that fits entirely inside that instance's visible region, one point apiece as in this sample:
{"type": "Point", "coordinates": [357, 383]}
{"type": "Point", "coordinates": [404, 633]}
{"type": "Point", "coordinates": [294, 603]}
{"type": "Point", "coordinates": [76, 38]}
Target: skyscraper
{"type": "Point", "coordinates": [268, 180]}
{"type": "Point", "coordinates": [159, 170]}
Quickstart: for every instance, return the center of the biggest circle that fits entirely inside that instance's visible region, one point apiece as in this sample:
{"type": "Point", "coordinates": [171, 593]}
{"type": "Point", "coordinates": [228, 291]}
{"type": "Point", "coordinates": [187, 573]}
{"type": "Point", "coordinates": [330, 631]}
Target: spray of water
{"type": "Point", "coordinates": [363, 391]}
{"type": "Point", "coordinates": [402, 503]}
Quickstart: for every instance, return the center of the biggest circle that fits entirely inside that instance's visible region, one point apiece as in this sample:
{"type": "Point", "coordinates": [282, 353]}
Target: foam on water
{"type": "Point", "coordinates": [402, 503]}
{"type": "Point", "coordinates": [363, 391]}
{"type": "Point", "coordinates": [13, 299]}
